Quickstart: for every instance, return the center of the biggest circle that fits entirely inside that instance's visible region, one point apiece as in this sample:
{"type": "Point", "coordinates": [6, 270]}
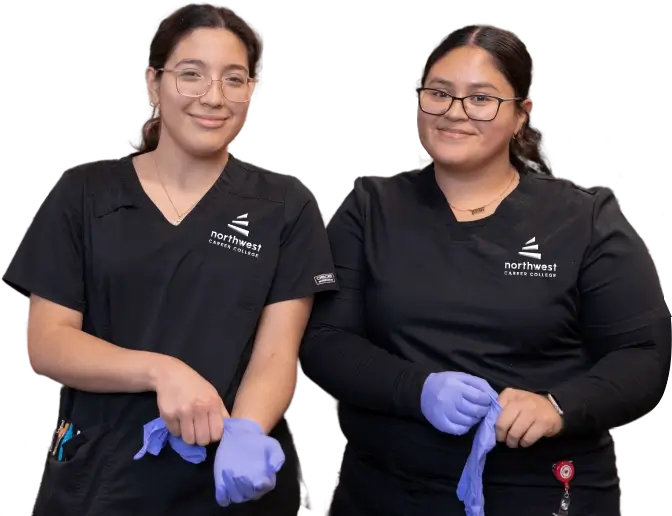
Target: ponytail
{"type": "Point", "coordinates": [150, 133]}
{"type": "Point", "coordinates": [525, 151]}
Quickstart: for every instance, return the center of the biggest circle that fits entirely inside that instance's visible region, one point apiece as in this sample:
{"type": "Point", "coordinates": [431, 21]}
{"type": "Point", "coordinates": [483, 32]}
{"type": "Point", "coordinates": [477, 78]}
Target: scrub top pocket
{"type": "Point", "coordinates": [66, 482]}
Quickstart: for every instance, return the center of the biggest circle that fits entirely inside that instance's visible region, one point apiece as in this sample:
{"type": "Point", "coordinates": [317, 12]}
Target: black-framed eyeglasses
{"type": "Point", "coordinates": [236, 86]}
{"type": "Point", "coordinates": [481, 108]}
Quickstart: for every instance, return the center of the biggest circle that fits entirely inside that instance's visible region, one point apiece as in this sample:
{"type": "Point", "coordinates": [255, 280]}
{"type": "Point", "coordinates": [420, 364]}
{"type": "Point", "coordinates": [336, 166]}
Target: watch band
{"type": "Point", "coordinates": [555, 404]}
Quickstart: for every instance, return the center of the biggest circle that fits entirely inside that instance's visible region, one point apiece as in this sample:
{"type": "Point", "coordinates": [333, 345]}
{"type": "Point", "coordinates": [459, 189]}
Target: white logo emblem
{"type": "Point", "coordinates": [530, 245]}
{"type": "Point", "coordinates": [236, 243]}
{"type": "Point", "coordinates": [532, 269]}
{"type": "Point", "coordinates": [238, 222]}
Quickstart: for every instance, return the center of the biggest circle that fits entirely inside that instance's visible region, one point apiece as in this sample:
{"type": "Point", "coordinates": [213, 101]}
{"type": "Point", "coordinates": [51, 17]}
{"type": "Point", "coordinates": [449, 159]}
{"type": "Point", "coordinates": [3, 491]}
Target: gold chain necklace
{"type": "Point", "coordinates": [180, 216]}
{"type": "Point", "coordinates": [481, 209]}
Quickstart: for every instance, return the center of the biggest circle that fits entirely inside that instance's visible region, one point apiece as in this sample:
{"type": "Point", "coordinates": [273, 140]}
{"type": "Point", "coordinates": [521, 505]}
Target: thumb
{"type": "Point", "coordinates": [275, 457]}
{"type": "Point", "coordinates": [224, 412]}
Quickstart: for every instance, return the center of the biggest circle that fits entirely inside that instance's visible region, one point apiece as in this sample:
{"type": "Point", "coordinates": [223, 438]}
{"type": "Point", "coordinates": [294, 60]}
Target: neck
{"type": "Point", "coordinates": [474, 187]}
{"type": "Point", "coordinates": [186, 171]}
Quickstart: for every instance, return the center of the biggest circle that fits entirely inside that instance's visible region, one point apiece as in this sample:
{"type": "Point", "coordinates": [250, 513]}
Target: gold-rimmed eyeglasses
{"type": "Point", "coordinates": [236, 86]}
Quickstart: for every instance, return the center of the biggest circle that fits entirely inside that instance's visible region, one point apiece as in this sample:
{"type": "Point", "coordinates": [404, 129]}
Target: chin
{"type": "Point", "coordinates": [203, 149]}
{"type": "Point", "coordinates": [451, 158]}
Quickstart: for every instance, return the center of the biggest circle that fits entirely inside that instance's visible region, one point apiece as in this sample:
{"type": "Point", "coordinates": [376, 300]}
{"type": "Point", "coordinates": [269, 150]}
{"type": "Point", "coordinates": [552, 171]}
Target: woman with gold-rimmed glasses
{"type": "Point", "coordinates": [169, 292]}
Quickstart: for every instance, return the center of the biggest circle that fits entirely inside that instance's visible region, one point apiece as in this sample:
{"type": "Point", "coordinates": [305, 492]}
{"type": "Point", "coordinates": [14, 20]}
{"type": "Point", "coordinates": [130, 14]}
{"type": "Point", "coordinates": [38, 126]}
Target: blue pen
{"type": "Point", "coordinates": [66, 438]}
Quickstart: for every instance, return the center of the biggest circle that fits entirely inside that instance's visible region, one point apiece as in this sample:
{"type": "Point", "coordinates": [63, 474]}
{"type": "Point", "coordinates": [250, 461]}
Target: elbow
{"type": "Point", "coordinates": [36, 356]}
{"type": "Point", "coordinates": [41, 346]}
{"type": "Point", "coordinates": [310, 344]}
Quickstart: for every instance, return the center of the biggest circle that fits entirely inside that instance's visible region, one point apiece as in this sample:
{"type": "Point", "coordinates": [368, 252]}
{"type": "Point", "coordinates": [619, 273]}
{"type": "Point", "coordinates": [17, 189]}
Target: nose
{"type": "Point", "coordinates": [456, 111]}
{"type": "Point", "coordinates": [214, 97]}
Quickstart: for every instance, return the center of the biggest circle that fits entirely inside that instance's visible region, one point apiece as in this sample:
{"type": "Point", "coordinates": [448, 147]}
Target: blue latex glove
{"type": "Point", "coordinates": [454, 402]}
{"type": "Point", "coordinates": [470, 487]}
{"type": "Point", "coordinates": [156, 436]}
{"type": "Point", "coordinates": [246, 463]}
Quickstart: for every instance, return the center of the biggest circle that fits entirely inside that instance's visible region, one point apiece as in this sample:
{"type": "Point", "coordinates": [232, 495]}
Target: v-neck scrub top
{"type": "Point", "coordinates": [194, 291]}
{"type": "Point", "coordinates": [553, 293]}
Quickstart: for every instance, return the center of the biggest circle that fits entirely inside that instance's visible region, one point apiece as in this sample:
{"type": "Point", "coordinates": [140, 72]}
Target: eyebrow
{"type": "Point", "coordinates": [472, 85]}
{"type": "Point", "coordinates": [199, 63]}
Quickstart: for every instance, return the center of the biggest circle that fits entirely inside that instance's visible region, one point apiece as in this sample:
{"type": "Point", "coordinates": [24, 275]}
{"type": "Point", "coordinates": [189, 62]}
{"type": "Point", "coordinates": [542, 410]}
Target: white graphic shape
{"type": "Point", "coordinates": [636, 176]}
{"type": "Point", "coordinates": [575, 123]}
{"type": "Point", "coordinates": [530, 245]}
{"type": "Point", "coordinates": [608, 143]}
{"type": "Point", "coordinates": [240, 221]}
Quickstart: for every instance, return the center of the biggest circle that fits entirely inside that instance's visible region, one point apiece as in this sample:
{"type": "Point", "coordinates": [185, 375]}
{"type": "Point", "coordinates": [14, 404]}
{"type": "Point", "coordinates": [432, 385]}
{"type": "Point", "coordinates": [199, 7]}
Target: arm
{"type": "Point", "coordinates": [60, 350]}
{"type": "Point", "coordinates": [49, 267]}
{"type": "Point", "coordinates": [304, 268]}
{"type": "Point", "coordinates": [625, 325]}
{"type": "Point", "coordinates": [336, 353]}
{"type": "Point", "coordinates": [270, 378]}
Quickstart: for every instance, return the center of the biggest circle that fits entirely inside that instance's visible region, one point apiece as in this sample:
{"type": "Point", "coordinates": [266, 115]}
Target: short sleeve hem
{"type": "Point", "coordinates": [25, 288]}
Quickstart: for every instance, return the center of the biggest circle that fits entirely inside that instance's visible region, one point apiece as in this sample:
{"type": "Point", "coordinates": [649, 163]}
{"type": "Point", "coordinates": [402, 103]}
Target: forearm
{"type": "Point", "coordinates": [355, 371]}
{"type": "Point", "coordinates": [623, 386]}
{"type": "Point", "coordinates": [78, 360]}
{"type": "Point", "coordinates": [266, 390]}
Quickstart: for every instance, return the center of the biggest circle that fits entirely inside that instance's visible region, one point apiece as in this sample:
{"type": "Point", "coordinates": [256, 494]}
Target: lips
{"type": "Point", "coordinates": [454, 134]}
{"type": "Point", "coordinates": [210, 118]}
{"type": "Point", "coordinates": [454, 131]}
{"type": "Point", "coordinates": [209, 121]}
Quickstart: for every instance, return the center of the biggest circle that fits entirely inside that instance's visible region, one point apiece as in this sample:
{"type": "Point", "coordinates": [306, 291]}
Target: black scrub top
{"type": "Point", "coordinates": [195, 291]}
{"type": "Point", "coordinates": [555, 292]}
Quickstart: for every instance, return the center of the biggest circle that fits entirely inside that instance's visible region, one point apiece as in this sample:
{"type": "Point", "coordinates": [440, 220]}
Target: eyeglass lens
{"type": "Point", "coordinates": [477, 107]}
{"type": "Point", "coordinates": [194, 83]}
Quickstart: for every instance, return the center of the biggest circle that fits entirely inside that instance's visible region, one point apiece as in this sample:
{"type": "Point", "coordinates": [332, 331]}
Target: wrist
{"type": "Point", "coordinates": [154, 367]}
{"type": "Point", "coordinates": [243, 425]}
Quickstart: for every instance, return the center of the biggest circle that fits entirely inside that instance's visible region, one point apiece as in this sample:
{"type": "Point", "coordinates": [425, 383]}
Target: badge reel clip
{"type": "Point", "coordinates": [564, 473]}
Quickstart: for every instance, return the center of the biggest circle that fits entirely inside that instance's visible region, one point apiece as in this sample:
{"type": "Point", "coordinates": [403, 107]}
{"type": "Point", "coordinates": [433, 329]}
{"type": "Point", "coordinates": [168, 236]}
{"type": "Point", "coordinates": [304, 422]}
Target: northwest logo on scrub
{"type": "Point", "coordinates": [533, 267]}
{"type": "Point", "coordinates": [239, 242]}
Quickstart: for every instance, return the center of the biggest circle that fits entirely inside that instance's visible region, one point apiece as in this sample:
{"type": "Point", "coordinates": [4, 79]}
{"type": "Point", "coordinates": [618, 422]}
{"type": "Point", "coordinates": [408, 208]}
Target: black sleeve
{"type": "Point", "coordinates": [305, 266]}
{"type": "Point", "coordinates": [625, 328]}
{"type": "Point", "coordinates": [49, 260]}
{"type": "Point", "coordinates": [335, 353]}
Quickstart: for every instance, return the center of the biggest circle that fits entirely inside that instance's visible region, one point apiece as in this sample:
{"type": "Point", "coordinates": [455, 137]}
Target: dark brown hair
{"type": "Point", "coordinates": [179, 25]}
{"type": "Point", "coordinates": [513, 60]}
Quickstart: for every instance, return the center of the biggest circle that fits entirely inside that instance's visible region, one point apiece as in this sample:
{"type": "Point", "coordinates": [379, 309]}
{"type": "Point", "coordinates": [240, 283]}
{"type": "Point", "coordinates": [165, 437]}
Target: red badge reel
{"type": "Point", "coordinates": [564, 472]}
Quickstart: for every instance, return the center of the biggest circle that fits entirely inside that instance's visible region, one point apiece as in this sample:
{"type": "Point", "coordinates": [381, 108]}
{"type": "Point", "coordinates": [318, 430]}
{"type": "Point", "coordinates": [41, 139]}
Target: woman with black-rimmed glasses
{"type": "Point", "coordinates": [482, 300]}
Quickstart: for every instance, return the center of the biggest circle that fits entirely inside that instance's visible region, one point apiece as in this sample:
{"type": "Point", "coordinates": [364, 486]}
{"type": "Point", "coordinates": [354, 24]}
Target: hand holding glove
{"type": "Point", "coordinates": [246, 463]}
{"type": "Point", "coordinates": [454, 402]}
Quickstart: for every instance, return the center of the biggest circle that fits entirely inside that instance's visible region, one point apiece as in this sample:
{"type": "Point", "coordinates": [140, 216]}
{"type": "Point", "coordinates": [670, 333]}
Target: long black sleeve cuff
{"type": "Point", "coordinates": [623, 386]}
{"type": "Point", "coordinates": [355, 371]}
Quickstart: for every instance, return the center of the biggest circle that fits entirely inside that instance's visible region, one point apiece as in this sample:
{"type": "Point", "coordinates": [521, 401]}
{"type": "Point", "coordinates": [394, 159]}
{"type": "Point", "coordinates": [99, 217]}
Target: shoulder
{"type": "Point", "coordinates": [265, 184]}
{"type": "Point", "coordinates": [88, 179]}
{"type": "Point", "coordinates": [570, 195]}
{"type": "Point", "coordinates": [386, 188]}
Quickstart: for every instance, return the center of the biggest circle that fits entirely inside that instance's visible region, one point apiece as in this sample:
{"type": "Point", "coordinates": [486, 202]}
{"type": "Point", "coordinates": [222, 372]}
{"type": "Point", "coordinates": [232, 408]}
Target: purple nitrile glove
{"type": "Point", "coordinates": [454, 402]}
{"type": "Point", "coordinates": [156, 436]}
{"type": "Point", "coordinates": [470, 487]}
{"type": "Point", "coordinates": [246, 463]}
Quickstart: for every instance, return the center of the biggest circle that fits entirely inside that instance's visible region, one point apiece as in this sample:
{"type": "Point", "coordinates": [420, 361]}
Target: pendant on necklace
{"type": "Point", "coordinates": [177, 222]}
{"type": "Point", "coordinates": [477, 210]}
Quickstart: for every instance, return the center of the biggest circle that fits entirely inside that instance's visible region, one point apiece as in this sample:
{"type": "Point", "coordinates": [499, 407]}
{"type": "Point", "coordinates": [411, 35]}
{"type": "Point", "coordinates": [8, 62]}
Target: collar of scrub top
{"type": "Point", "coordinates": [430, 195]}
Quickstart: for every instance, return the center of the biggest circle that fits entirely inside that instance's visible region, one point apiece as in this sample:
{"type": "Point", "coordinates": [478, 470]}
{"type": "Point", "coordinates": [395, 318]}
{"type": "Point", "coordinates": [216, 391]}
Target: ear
{"type": "Point", "coordinates": [153, 84]}
{"type": "Point", "coordinates": [523, 114]}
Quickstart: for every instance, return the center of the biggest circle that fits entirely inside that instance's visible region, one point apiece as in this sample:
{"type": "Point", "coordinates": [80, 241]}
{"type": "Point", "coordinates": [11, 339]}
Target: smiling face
{"type": "Point", "coordinates": [454, 140]}
{"type": "Point", "coordinates": [202, 125]}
